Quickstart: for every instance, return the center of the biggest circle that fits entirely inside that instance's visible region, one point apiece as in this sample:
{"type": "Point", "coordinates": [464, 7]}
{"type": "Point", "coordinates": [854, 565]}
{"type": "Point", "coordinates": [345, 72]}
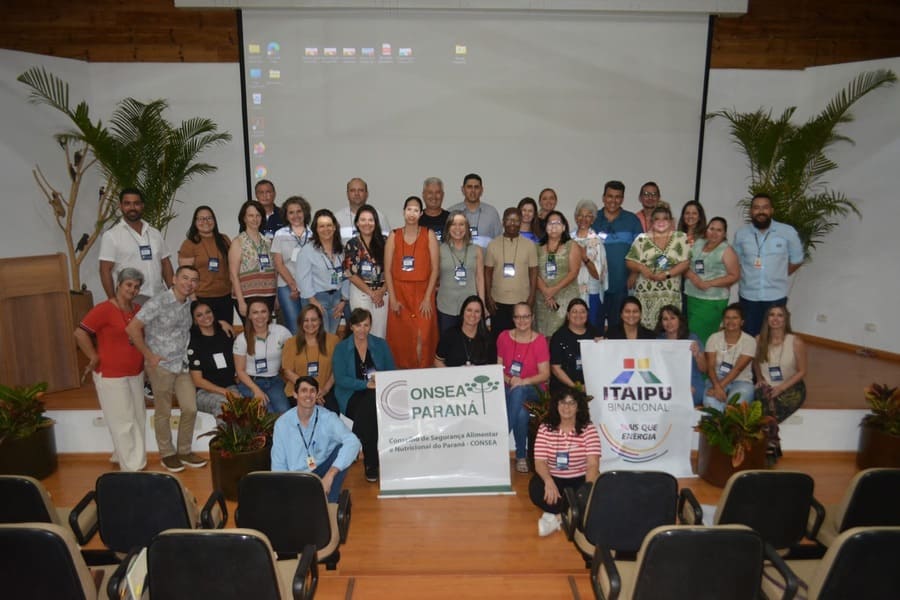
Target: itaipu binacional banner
{"type": "Point", "coordinates": [443, 432]}
{"type": "Point", "coordinates": [642, 403]}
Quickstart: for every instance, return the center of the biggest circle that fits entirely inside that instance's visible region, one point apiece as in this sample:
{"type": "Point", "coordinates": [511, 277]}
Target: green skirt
{"type": "Point", "coordinates": [704, 316]}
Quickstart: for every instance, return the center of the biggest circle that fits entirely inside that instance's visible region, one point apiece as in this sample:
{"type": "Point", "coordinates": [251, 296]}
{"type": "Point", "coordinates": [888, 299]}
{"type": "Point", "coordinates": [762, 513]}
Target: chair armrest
{"type": "Point", "coordinates": [603, 559]}
{"type": "Point", "coordinates": [210, 518]}
{"type": "Point", "coordinates": [816, 518]}
{"type": "Point", "coordinates": [114, 589]}
{"type": "Point", "coordinates": [304, 588]}
{"type": "Point", "coordinates": [85, 515]}
{"type": "Point", "coordinates": [689, 510]}
{"type": "Point", "coordinates": [343, 514]}
{"type": "Point", "coordinates": [791, 581]}
{"type": "Point", "coordinates": [571, 518]}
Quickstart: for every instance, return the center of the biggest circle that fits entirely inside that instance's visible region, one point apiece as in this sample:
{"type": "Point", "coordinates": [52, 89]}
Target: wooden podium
{"type": "Point", "coordinates": [36, 341]}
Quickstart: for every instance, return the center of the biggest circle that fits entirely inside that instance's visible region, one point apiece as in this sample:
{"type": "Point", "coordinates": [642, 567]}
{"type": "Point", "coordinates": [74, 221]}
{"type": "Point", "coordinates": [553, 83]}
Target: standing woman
{"type": "Point", "coordinates": [530, 227]}
{"type": "Point", "coordinates": [357, 359]}
{"type": "Point", "coordinates": [630, 326]}
{"type": "Point", "coordinates": [310, 353]}
{"type": "Point", "coordinates": [286, 247]}
{"type": "Point", "coordinates": [659, 257]}
{"type": "Point", "coordinates": [118, 369]}
{"type": "Point", "coordinates": [461, 270]}
{"type": "Point", "coordinates": [206, 250]}
{"type": "Point", "coordinates": [559, 260]}
{"type": "Point", "coordinates": [468, 343]}
{"type": "Point", "coordinates": [364, 266]}
{"type": "Point", "coordinates": [565, 350]}
{"type": "Point", "coordinates": [257, 357]}
{"type": "Point", "coordinates": [592, 281]}
{"type": "Point", "coordinates": [692, 221]}
{"type": "Point", "coordinates": [780, 367]}
{"type": "Point", "coordinates": [714, 268]}
{"type": "Point", "coordinates": [412, 258]}
{"type": "Point", "coordinates": [728, 356]}
{"type": "Point", "coordinates": [672, 326]}
{"type": "Point", "coordinates": [320, 270]}
{"type": "Point", "coordinates": [250, 261]}
{"type": "Point", "coordinates": [525, 357]}
{"type": "Point", "coordinates": [210, 360]}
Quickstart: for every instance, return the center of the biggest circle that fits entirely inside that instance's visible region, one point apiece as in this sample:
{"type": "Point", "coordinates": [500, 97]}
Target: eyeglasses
{"type": "Point", "coordinates": [206, 219]}
{"type": "Point", "coordinates": [650, 194]}
{"type": "Point", "coordinates": [568, 402]}
{"type": "Point", "coordinates": [521, 317]}
{"type": "Point", "coordinates": [555, 223]}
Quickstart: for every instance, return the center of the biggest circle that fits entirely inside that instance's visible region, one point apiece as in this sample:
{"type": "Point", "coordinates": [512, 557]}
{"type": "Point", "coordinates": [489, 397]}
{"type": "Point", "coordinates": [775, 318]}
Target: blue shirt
{"type": "Point", "coordinates": [617, 236]}
{"type": "Point", "coordinates": [323, 434]}
{"type": "Point", "coordinates": [765, 257]}
{"type": "Point", "coordinates": [314, 272]}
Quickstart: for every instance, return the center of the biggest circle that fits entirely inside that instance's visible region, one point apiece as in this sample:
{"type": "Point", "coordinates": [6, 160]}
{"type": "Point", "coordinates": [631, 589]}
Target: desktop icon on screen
{"type": "Point", "coordinates": [257, 98]}
{"type": "Point", "coordinates": [330, 52]}
{"type": "Point", "coordinates": [404, 52]}
{"type": "Point", "coordinates": [257, 124]}
{"type": "Point", "coordinates": [274, 73]}
{"type": "Point", "coordinates": [259, 148]}
{"type": "Point", "coordinates": [273, 50]}
{"type": "Point", "coordinates": [255, 73]}
{"type": "Point", "coordinates": [386, 50]}
{"type": "Point", "coordinates": [253, 49]}
{"type": "Point", "coordinates": [368, 52]}
{"type": "Point", "coordinates": [311, 52]}
{"type": "Point", "coordinates": [260, 171]}
{"type": "Point", "coordinates": [461, 50]}
{"type": "Point", "coordinates": [349, 52]}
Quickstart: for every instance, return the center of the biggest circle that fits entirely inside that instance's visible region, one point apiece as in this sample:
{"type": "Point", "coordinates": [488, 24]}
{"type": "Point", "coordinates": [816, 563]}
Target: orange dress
{"type": "Point", "coordinates": [409, 330]}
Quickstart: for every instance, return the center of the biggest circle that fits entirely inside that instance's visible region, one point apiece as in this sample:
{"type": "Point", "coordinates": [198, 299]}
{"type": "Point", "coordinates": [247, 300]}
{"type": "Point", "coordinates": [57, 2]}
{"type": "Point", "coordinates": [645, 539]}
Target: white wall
{"type": "Point", "coordinates": [852, 278]}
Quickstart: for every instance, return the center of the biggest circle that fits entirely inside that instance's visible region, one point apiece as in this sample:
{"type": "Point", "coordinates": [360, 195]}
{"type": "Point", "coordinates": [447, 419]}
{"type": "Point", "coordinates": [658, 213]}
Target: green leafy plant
{"type": "Point", "coordinates": [789, 162]}
{"type": "Point", "coordinates": [244, 426]}
{"type": "Point", "coordinates": [884, 402]}
{"type": "Point", "coordinates": [22, 411]}
{"type": "Point", "coordinates": [734, 429]}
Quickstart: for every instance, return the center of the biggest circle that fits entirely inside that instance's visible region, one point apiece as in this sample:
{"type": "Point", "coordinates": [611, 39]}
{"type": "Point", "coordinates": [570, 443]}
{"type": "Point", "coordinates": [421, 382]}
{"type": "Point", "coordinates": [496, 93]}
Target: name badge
{"type": "Point", "coordinates": [370, 373]}
{"type": "Point", "coordinates": [264, 262]}
{"type": "Point", "coordinates": [562, 460]}
{"type": "Point", "coordinates": [439, 235]}
{"type": "Point", "coordinates": [336, 276]}
{"type": "Point", "coordinates": [311, 463]}
{"type": "Point", "coordinates": [550, 267]}
{"type": "Point", "coordinates": [459, 274]}
{"type": "Point", "coordinates": [219, 360]}
{"type": "Point", "coordinates": [509, 270]}
{"type": "Point", "coordinates": [366, 268]}
{"type": "Point", "coordinates": [295, 254]}
{"type": "Point", "coordinates": [577, 364]}
{"type": "Point", "coordinates": [515, 369]}
{"type": "Point", "coordinates": [261, 365]}
{"type": "Point", "coordinates": [212, 265]}
{"type": "Point", "coordinates": [146, 252]}
{"type": "Point", "coordinates": [602, 235]}
{"type": "Point", "coordinates": [408, 263]}
{"type": "Point", "coordinates": [699, 268]}
{"type": "Point", "coordinates": [662, 262]}
{"type": "Point", "coordinates": [725, 369]}
{"type": "Point", "coordinates": [757, 264]}
{"type": "Point", "coordinates": [312, 368]}
{"type": "Point", "coordinates": [775, 374]}
{"type": "Point", "coordinates": [473, 231]}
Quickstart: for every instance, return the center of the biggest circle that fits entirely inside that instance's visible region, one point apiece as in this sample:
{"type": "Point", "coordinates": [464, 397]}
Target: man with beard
{"type": "Point", "coordinates": [769, 252]}
{"type": "Point", "coordinates": [132, 242]}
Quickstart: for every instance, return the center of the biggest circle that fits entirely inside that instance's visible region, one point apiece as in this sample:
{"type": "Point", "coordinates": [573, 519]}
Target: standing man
{"type": "Point", "coordinates": [264, 190]}
{"type": "Point", "coordinates": [133, 243]}
{"type": "Point", "coordinates": [618, 229]}
{"type": "Point", "coordinates": [484, 220]}
{"type": "Point", "coordinates": [650, 199]}
{"type": "Point", "coordinates": [161, 332]}
{"type": "Point", "coordinates": [357, 195]}
{"type": "Point", "coordinates": [434, 216]}
{"type": "Point", "coordinates": [510, 272]}
{"type": "Point", "coordinates": [312, 439]}
{"type": "Point", "coordinates": [769, 253]}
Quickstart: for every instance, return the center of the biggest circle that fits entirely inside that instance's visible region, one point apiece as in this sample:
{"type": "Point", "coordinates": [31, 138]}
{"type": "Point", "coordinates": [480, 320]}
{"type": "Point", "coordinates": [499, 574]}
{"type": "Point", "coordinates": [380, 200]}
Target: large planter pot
{"type": "Point", "coordinates": [34, 455]}
{"type": "Point", "coordinates": [228, 470]}
{"type": "Point", "coordinates": [714, 466]}
{"type": "Point", "coordinates": [877, 448]}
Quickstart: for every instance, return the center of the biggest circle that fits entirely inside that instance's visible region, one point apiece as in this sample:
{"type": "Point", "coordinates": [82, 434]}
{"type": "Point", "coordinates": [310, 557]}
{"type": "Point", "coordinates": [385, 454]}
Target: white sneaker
{"type": "Point", "coordinates": [547, 524]}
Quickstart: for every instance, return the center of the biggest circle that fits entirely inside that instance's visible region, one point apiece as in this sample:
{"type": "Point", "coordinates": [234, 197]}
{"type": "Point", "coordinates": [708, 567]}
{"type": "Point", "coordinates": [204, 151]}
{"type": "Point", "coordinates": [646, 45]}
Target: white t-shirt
{"type": "Point", "coordinates": [266, 360]}
{"type": "Point", "coordinates": [725, 354]}
{"type": "Point", "coordinates": [124, 247]}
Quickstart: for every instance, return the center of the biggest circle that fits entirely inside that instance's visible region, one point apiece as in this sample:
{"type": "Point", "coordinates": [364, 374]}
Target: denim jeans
{"type": "Point", "coordinates": [517, 414]}
{"type": "Point", "coordinates": [273, 387]}
{"type": "Point", "coordinates": [595, 312]}
{"type": "Point", "coordinates": [744, 388]}
{"type": "Point", "coordinates": [290, 308]}
{"type": "Point", "coordinates": [755, 313]}
{"type": "Point", "coordinates": [335, 492]}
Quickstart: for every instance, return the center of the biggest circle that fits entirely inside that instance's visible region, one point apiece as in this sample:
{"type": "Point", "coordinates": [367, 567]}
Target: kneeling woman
{"type": "Point", "coordinates": [728, 356]}
{"type": "Point", "coordinates": [210, 360]}
{"type": "Point", "coordinates": [257, 357]}
{"type": "Point", "coordinates": [356, 361]}
{"type": "Point", "coordinates": [469, 342]}
{"type": "Point", "coordinates": [566, 455]}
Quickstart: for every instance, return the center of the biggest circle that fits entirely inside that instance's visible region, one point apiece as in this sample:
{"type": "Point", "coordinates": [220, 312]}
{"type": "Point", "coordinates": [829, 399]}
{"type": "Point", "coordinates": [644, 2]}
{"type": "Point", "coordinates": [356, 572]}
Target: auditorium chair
{"type": "Point", "coordinates": [700, 563]}
{"type": "Point", "coordinates": [26, 500]}
{"type": "Point", "coordinates": [42, 561]}
{"type": "Point", "coordinates": [292, 510]}
{"type": "Point", "coordinates": [861, 562]}
{"type": "Point", "coordinates": [872, 498]}
{"type": "Point", "coordinates": [132, 507]}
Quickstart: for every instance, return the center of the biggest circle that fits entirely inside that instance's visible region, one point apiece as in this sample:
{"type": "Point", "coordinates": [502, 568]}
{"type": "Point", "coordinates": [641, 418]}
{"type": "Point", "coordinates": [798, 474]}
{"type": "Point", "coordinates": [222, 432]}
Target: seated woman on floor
{"type": "Point", "coordinates": [210, 360]}
{"type": "Point", "coordinates": [468, 343]}
{"type": "Point", "coordinates": [728, 356]}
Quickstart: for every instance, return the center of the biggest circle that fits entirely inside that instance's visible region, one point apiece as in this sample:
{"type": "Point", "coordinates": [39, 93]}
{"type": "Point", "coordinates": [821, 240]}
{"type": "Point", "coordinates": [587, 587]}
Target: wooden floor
{"type": "Point", "coordinates": [459, 548]}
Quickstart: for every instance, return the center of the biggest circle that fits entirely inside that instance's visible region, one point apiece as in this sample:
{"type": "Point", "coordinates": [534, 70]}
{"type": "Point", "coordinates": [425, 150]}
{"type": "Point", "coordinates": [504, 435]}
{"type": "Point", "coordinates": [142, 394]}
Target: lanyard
{"type": "Point", "coordinates": [312, 434]}
{"type": "Point", "coordinates": [515, 252]}
{"type": "Point", "coordinates": [456, 258]}
{"type": "Point", "coordinates": [759, 245]}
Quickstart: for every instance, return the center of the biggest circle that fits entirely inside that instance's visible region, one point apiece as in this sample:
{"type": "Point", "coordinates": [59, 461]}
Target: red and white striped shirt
{"type": "Point", "coordinates": [550, 443]}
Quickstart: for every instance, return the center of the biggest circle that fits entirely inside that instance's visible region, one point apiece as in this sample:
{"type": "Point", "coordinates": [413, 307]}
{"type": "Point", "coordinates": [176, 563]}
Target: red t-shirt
{"type": "Point", "coordinates": [118, 357]}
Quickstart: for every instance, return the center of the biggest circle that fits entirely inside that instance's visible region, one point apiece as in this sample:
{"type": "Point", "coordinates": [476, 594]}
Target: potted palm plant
{"type": "Point", "coordinates": [241, 442]}
{"type": "Point", "coordinates": [731, 440]}
{"type": "Point", "coordinates": [879, 431]}
{"type": "Point", "coordinates": [27, 441]}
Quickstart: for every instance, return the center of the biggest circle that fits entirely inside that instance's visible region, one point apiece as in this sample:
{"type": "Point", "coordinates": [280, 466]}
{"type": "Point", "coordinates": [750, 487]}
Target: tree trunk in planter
{"type": "Point", "coordinates": [34, 455]}
{"type": "Point", "coordinates": [81, 302]}
{"type": "Point", "coordinates": [228, 470]}
{"type": "Point", "coordinates": [877, 448]}
{"type": "Point", "coordinates": [714, 466]}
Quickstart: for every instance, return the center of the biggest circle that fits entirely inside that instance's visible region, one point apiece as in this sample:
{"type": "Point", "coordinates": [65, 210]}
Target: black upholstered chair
{"type": "Point", "coordinates": [24, 499]}
{"type": "Point", "coordinates": [872, 499]}
{"type": "Point", "coordinates": [292, 510]}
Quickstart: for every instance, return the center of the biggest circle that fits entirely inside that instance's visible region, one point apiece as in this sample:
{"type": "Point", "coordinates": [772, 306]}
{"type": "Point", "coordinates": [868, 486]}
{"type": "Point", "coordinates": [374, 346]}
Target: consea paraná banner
{"type": "Point", "coordinates": [642, 403]}
{"type": "Point", "coordinates": [443, 432]}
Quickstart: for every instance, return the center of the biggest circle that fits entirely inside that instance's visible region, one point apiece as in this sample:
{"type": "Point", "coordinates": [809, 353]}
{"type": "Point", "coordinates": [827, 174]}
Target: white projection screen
{"type": "Point", "coordinates": [527, 99]}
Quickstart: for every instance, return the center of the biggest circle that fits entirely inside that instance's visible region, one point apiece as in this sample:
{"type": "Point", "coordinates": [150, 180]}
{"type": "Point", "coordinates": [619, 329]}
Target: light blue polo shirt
{"type": "Point", "coordinates": [765, 257]}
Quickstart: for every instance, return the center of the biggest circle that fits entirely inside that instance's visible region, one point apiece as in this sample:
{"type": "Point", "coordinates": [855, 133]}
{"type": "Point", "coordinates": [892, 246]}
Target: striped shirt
{"type": "Point", "coordinates": [549, 444]}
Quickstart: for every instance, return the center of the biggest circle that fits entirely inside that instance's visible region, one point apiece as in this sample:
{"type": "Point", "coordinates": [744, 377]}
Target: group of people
{"type": "Point", "coordinates": [450, 287]}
